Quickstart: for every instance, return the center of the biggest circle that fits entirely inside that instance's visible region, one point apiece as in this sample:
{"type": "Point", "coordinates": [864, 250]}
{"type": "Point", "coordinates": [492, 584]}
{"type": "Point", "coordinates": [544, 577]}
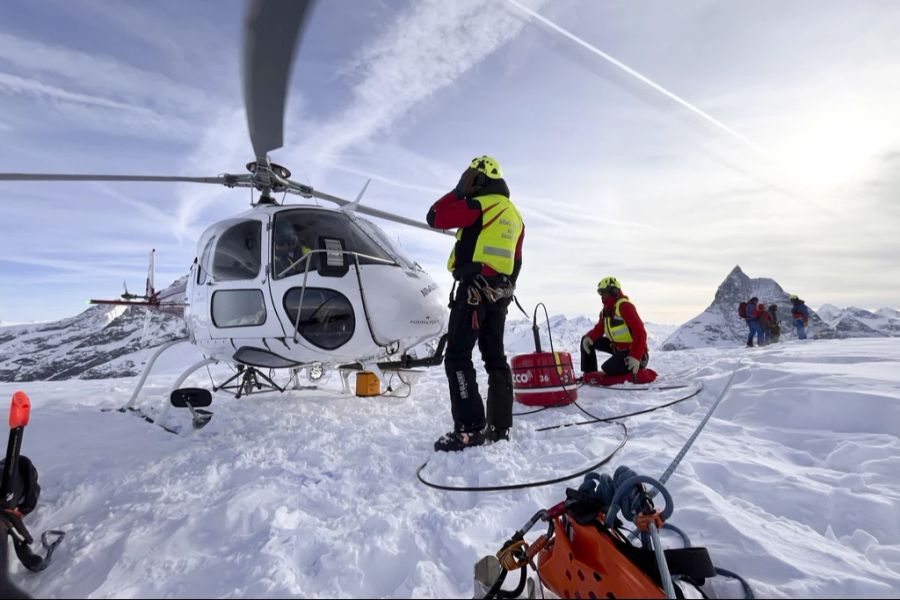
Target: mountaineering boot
{"type": "Point", "coordinates": [492, 435]}
{"type": "Point", "coordinates": [454, 441]}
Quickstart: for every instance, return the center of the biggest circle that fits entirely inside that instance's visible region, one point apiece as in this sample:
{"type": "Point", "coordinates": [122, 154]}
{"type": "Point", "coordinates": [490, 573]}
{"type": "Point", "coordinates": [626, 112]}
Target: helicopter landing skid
{"type": "Point", "coordinates": [252, 381]}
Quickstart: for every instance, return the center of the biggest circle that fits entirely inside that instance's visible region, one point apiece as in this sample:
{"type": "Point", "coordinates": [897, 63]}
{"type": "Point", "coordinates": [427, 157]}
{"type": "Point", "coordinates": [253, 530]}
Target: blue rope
{"type": "Point", "coordinates": [687, 446]}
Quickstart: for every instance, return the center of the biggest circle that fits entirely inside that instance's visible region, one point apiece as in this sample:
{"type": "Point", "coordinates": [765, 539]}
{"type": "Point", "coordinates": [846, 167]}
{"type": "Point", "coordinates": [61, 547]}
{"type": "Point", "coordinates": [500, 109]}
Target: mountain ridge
{"type": "Point", "coordinates": [719, 324]}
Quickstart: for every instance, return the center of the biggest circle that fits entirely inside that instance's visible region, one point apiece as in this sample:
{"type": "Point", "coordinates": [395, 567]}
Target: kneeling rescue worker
{"type": "Point", "coordinates": [620, 332]}
{"type": "Point", "coordinates": [485, 263]}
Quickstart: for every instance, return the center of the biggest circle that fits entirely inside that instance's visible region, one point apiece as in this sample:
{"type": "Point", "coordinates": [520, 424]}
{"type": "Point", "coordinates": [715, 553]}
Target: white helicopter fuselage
{"type": "Point", "coordinates": [360, 299]}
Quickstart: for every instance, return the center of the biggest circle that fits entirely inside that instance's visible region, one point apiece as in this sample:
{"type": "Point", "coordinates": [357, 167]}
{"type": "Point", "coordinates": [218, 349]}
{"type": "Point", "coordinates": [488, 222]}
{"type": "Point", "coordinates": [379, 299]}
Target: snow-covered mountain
{"type": "Point", "coordinates": [859, 322]}
{"type": "Point", "coordinates": [719, 325]}
{"type": "Point", "coordinates": [888, 313]}
{"type": "Point", "coordinates": [567, 333]}
{"type": "Point", "coordinates": [97, 343]}
{"type": "Point", "coordinates": [829, 313]}
{"type": "Point", "coordinates": [112, 341]}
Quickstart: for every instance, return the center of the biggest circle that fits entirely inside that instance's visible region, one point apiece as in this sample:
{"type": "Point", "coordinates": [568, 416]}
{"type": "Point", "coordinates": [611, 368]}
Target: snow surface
{"type": "Point", "coordinates": [794, 482]}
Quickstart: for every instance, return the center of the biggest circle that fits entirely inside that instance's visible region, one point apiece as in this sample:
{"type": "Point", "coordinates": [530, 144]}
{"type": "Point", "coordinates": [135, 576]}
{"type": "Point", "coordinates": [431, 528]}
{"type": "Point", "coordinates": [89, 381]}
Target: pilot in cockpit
{"type": "Point", "coordinates": [288, 253]}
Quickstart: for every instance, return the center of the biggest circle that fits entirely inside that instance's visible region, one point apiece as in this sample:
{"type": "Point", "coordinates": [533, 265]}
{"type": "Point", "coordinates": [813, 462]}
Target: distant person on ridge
{"type": "Point", "coordinates": [619, 332]}
{"type": "Point", "coordinates": [485, 263]}
{"type": "Point", "coordinates": [752, 319]}
{"type": "Point", "coordinates": [765, 325]}
{"type": "Point", "coordinates": [800, 314]}
{"type": "Point", "coordinates": [774, 327]}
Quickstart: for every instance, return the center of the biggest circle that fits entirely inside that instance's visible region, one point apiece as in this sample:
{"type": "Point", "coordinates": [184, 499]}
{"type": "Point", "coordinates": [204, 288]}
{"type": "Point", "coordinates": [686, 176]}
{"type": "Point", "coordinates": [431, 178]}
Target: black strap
{"type": "Point", "coordinates": [35, 562]}
{"type": "Point", "coordinates": [520, 306]}
{"type": "Point", "coordinates": [691, 562]}
{"type": "Point", "coordinates": [12, 524]}
{"type": "Point", "coordinates": [7, 588]}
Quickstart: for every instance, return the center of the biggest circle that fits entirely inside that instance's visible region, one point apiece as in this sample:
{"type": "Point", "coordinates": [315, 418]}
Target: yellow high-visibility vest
{"type": "Point", "coordinates": [496, 244]}
{"type": "Point", "coordinates": [615, 328]}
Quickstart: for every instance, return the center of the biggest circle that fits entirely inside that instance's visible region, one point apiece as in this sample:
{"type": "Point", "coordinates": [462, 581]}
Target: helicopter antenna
{"type": "Point", "coordinates": [353, 205]}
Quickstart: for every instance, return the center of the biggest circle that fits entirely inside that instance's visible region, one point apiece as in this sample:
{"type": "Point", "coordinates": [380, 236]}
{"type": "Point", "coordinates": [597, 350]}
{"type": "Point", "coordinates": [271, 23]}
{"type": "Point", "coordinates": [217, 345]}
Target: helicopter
{"type": "Point", "coordinates": [287, 286]}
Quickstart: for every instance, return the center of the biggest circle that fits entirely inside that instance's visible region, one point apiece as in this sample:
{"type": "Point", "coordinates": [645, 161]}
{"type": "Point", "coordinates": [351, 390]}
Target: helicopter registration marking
{"type": "Point", "coordinates": [428, 320]}
{"type": "Point", "coordinates": [428, 289]}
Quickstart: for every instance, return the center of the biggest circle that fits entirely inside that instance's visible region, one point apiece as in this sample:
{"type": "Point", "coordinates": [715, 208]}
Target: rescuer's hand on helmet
{"type": "Point", "coordinates": [466, 184]}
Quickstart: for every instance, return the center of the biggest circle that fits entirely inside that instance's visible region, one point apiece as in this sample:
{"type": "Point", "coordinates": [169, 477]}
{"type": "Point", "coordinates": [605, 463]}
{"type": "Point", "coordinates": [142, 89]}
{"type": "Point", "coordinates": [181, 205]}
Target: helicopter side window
{"type": "Point", "coordinates": [203, 265]}
{"type": "Point", "coordinates": [326, 317]}
{"type": "Point", "coordinates": [238, 308]}
{"type": "Point", "coordinates": [238, 253]}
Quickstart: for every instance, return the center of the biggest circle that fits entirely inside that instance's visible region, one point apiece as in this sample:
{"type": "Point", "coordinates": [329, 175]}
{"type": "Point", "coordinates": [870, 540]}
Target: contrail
{"type": "Point", "coordinates": [640, 77]}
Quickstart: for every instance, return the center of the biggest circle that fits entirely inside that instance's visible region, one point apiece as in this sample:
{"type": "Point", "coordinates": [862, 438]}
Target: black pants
{"type": "Point", "coordinates": [615, 365]}
{"type": "Point", "coordinates": [482, 322]}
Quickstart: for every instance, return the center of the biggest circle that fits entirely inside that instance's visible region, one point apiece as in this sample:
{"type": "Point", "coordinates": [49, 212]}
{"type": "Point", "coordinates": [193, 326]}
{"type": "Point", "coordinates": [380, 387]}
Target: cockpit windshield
{"type": "Point", "coordinates": [382, 239]}
{"type": "Point", "coordinates": [297, 232]}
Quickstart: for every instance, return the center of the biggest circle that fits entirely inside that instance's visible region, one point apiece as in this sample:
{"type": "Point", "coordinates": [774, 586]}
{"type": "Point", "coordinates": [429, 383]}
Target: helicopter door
{"type": "Point", "coordinates": [324, 302]}
{"type": "Point", "coordinates": [240, 306]}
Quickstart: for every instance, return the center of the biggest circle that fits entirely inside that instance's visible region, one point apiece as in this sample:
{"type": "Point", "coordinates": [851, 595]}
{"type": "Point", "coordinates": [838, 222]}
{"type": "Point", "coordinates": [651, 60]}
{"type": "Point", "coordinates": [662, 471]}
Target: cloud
{"type": "Point", "coordinates": [425, 50]}
{"type": "Point", "coordinates": [103, 76]}
{"type": "Point", "coordinates": [99, 112]}
{"type": "Point", "coordinates": [639, 76]}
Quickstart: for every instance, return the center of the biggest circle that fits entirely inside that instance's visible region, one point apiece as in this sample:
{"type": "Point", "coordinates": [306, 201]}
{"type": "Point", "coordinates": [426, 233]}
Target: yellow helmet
{"type": "Point", "coordinates": [794, 297]}
{"type": "Point", "coordinates": [487, 165]}
{"type": "Point", "coordinates": [608, 282]}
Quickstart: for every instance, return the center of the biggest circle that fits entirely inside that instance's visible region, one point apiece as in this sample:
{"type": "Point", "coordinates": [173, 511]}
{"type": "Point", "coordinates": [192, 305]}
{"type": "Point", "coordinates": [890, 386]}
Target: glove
{"type": "Point", "coordinates": [466, 185]}
{"type": "Point", "coordinates": [633, 364]}
{"type": "Point", "coordinates": [587, 344]}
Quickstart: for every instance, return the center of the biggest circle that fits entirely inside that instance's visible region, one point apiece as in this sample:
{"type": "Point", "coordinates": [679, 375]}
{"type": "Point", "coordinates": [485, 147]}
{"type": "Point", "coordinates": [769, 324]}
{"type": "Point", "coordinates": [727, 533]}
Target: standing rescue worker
{"type": "Point", "coordinates": [620, 332]}
{"type": "Point", "coordinates": [485, 263]}
{"type": "Point", "coordinates": [753, 313]}
{"type": "Point", "coordinates": [800, 314]}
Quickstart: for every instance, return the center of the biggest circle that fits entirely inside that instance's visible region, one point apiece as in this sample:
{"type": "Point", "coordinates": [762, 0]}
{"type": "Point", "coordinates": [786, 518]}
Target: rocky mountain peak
{"type": "Point", "coordinates": [720, 325]}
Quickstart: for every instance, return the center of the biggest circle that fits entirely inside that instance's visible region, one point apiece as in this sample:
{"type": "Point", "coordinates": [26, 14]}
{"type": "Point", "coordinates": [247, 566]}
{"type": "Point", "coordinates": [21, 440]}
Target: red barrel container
{"type": "Point", "coordinates": [544, 379]}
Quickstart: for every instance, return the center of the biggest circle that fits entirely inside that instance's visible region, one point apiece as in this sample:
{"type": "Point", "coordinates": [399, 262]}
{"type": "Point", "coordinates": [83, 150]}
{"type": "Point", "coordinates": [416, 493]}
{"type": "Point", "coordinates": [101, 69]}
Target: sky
{"type": "Point", "coordinates": [660, 144]}
{"type": "Point", "coordinates": [313, 494]}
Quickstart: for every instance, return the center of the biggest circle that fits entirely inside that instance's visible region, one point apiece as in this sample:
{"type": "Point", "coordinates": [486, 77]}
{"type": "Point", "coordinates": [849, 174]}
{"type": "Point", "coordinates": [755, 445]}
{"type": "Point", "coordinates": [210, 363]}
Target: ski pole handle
{"type": "Point", "coordinates": [19, 410]}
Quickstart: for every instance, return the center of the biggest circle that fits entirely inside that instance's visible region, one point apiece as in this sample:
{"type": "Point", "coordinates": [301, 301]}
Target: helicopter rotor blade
{"type": "Point", "coordinates": [308, 192]}
{"type": "Point", "coordinates": [222, 179]}
{"type": "Point", "coordinates": [271, 31]}
{"type": "Point", "coordinates": [374, 212]}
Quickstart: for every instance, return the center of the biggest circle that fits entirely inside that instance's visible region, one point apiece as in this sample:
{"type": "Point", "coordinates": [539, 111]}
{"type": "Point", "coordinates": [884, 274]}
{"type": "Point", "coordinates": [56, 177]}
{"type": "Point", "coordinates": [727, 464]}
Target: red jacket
{"type": "Point", "coordinates": [453, 212]}
{"type": "Point", "coordinates": [638, 346]}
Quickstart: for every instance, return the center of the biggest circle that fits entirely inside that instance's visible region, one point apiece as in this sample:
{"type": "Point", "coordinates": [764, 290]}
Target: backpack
{"type": "Point", "coordinates": [742, 310]}
{"type": "Point", "coordinates": [25, 489]}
